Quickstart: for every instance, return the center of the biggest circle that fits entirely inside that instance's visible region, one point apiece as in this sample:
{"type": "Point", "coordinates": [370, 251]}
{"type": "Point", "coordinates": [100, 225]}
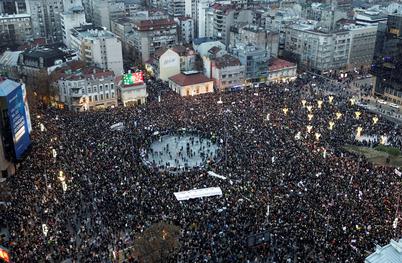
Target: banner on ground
{"type": "Point", "coordinates": [198, 193]}
{"type": "Point", "coordinates": [398, 173]}
{"type": "Point", "coordinates": [216, 175]}
{"type": "Point", "coordinates": [117, 127]}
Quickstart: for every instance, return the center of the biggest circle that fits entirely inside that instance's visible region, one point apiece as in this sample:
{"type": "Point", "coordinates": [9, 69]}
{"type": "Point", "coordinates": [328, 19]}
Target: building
{"type": "Point", "coordinates": [167, 62]}
{"type": "Point", "coordinates": [9, 64]}
{"type": "Point", "coordinates": [176, 8]}
{"type": "Point", "coordinates": [227, 72]}
{"type": "Point", "coordinates": [362, 46]}
{"type": "Point", "coordinates": [45, 17]}
{"type": "Point", "coordinates": [223, 18]}
{"type": "Point", "coordinates": [87, 88]}
{"type": "Point", "coordinates": [150, 35]}
{"type": "Point", "coordinates": [388, 78]}
{"type": "Point", "coordinates": [280, 70]}
{"type": "Point", "coordinates": [15, 125]}
{"type": "Point", "coordinates": [196, 10]}
{"type": "Point", "coordinates": [203, 45]}
{"type": "Point", "coordinates": [104, 11]}
{"type": "Point", "coordinates": [389, 36]}
{"type": "Point", "coordinates": [39, 62]}
{"type": "Point", "coordinates": [185, 29]}
{"type": "Point", "coordinates": [388, 253]}
{"type": "Point", "coordinates": [368, 17]}
{"type": "Point", "coordinates": [70, 18]}
{"type": "Point", "coordinates": [132, 89]}
{"type": "Point", "coordinates": [15, 30]}
{"type": "Point", "coordinates": [317, 50]}
{"type": "Point", "coordinates": [13, 7]}
{"type": "Point", "coordinates": [255, 60]}
{"type": "Point", "coordinates": [99, 47]}
{"type": "Point", "coordinates": [191, 83]}
{"type": "Point", "coordinates": [260, 37]}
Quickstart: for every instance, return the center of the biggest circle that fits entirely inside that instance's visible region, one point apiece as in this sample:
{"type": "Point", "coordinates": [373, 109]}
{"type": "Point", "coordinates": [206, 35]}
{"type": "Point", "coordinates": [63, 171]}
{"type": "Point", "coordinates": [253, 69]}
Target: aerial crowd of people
{"type": "Point", "coordinates": [287, 174]}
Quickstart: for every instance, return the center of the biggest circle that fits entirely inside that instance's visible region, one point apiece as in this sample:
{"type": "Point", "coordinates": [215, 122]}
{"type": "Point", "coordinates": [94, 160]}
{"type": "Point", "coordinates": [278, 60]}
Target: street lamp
{"type": "Point", "coordinates": [317, 136]}
{"type": "Point", "coordinates": [319, 103]}
{"type": "Point", "coordinates": [331, 125]}
{"type": "Point", "coordinates": [338, 115]}
{"type": "Point", "coordinates": [304, 103]}
{"type": "Point", "coordinates": [310, 116]}
{"type": "Point", "coordinates": [357, 114]}
{"type": "Point", "coordinates": [352, 101]}
{"type": "Point", "coordinates": [359, 131]}
{"type": "Point", "coordinates": [375, 120]}
{"type": "Point", "coordinates": [285, 110]}
{"type": "Point", "coordinates": [309, 108]}
{"type": "Point", "coordinates": [330, 99]}
{"type": "Point", "coordinates": [309, 128]}
{"type": "Point", "coordinates": [383, 140]}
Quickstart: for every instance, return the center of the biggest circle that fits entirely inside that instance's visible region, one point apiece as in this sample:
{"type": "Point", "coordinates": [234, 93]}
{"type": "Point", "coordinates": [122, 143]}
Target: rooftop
{"type": "Point", "coordinates": [154, 24]}
{"type": "Point", "coordinates": [7, 86]}
{"type": "Point", "coordinates": [91, 31]}
{"type": "Point", "coordinates": [189, 79]}
{"type": "Point", "coordinates": [227, 61]}
{"type": "Point", "coordinates": [278, 64]}
{"type": "Point", "coordinates": [7, 16]}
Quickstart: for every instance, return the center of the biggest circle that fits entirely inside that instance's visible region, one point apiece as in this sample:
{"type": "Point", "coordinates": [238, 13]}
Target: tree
{"type": "Point", "coordinates": [158, 243]}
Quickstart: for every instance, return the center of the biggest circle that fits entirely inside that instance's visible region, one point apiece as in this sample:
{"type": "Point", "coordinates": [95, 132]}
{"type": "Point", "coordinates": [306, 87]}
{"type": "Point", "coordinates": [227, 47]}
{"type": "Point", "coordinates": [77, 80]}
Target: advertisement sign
{"type": "Point", "coordinates": [18, 121]}
{"type": "Point", "coordinates": [133, 78]}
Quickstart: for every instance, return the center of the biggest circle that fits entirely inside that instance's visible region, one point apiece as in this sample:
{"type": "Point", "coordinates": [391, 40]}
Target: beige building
{"type": "Point", "coordinates": [281, 70]}
{"type": "Point", "coordinates": [191, 83]}
{"type": "Point", "coordinates": [135, 94]}
{"type": "Point", "coordinates": [227, 72]}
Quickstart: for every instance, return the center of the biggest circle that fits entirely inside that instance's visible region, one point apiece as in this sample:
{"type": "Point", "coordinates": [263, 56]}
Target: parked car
{"type": "Point", "coordinates": [393, 105]}
{"type": "Point", "coordinates": [382, 102]}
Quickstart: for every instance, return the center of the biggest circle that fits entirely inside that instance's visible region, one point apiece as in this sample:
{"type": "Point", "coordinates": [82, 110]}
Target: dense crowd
{"type": "Point", "coordinates": [318, 202]}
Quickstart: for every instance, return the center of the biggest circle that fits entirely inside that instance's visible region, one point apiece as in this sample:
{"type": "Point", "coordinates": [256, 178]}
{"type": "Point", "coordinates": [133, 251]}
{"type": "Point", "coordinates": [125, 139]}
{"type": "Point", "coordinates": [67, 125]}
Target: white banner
{"type": "Point", "coordinates": [197, 193]}
{"type": "Point", "coordinates": [118, 126]}
{"type": "Point", "coordinates": [216, 175]}
{"type": "Point", "coordinates": [398, 173]}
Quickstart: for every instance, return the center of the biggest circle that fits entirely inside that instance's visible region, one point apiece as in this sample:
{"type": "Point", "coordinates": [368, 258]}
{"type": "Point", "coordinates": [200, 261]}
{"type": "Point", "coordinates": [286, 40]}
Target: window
{"type": "Point", "coordinates": [101, 97]}
{"type": "Point", "coordinates": [100, 87]}
{"type": "Point", "coordinates": [106, 87]}
{"type": "Point", "coordinates": [107, 96]}
{"type": "Point", "coordinates": [111, 86]}
{"type": "Point", "coordinates": [90, 98]}
{"type": "Point", "coordinates": [96, 97]}
{"type": "Point", "coordinates": [89, 89]}
{"type": "Point", "coordinates": [112, 94]}
{"type": "Point", "coordinates": [95, 89]}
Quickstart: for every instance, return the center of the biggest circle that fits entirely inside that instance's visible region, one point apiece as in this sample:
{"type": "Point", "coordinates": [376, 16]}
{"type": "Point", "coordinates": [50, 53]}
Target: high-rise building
{"type": "Point", "coordinates": [73, 16]}
{"type": "Point", "coordinates": [150, 35]}
{"type": "Point", "coordinates": [13, 7]}
{"type": "Point", "coordinates": [176, 8]}
{"type": "Point", "coordinates": [104, 11]}
{"type": "Point", "coordinates": [45, 16]}
{"type": "Point", "coordinates": [99, 47]}
{"type": "Point", "coordinates": [15, 30]}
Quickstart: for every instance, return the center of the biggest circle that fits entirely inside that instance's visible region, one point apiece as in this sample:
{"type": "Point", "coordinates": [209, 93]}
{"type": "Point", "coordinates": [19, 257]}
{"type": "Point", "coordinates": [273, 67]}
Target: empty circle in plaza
{"type": "Point", "coordinates": [180, 152]}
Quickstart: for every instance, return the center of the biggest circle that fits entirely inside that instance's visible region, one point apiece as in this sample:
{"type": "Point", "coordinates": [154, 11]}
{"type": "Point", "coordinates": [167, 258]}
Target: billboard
{"type": "Point", "coordinates": [18, 121]}
{"type": "Point", "coordinates": [133, 78]}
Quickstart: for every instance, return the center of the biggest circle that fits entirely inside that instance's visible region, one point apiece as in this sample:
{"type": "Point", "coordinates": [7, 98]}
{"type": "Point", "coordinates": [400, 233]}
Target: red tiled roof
{"type": "Point", "coordinates": [277, 64]}
{"type": "Point", "coordinates": [192, 79]}
{"type": "Point", "coordinates": [153, 24]}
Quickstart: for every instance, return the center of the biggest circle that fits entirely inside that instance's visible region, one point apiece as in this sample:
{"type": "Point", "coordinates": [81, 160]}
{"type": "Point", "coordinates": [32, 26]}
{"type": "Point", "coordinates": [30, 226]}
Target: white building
{"type": "Point", "coordinates": [176, 8]}
{"type": "Point", "coordinates": [185, 29]}
{"type": "Point", "coordinates": [362, 46]}
{"type": "Point", "coordinates": [87, 89]}
{"type": "Point", "coordinates": [73, 17]}
{"type": "Point", "coordinates": [99, 47]}
{"type": "Point", "coordinates": [318, 50]}
{"type": "Point", "coordinates": [132, 95]}
{"type": "Point", "coordinates": [191, 83]}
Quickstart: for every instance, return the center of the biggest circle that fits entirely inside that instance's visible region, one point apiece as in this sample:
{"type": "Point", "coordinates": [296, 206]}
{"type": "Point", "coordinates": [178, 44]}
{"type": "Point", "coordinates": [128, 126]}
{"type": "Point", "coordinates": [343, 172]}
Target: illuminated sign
{"type": "Point", "coordinates": [133, 78]}
{"type": "Point", "coordinates": [4, 255]}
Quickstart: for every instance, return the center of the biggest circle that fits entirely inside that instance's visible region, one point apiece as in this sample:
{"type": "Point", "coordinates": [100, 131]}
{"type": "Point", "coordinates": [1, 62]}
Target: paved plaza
{"type": "Point", "coordinates": [182, 152]}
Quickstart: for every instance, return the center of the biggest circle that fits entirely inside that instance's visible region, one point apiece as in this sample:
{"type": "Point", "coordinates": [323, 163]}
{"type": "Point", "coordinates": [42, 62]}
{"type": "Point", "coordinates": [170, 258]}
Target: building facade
{"type": "Point", "coordinates": [45, 17]}
{"type": "Point", "coordinates": [255, 61]}
{"type": "Point", "coordinates": [362, 46]}
{"type": "Point", "coordinates": [73, 17]}
{"type": "Point", "coordinates": [150, 35]}
{"type": "Point", "coordinates": [191, 84]}
{"type": "Point", "coordinates": [104, 11]}
{"type": "Point", "coordinates": [227, 72]}
{"type": "Point", "coordinates": [87, 89]}
{"type": "Point", "coordinates": [15, 30]}
{"type": "Point", "coordinates": [280, 70]}
{"type": "Point", "coordinates": [185, 29]}
{"type": "Point", "coordinates": [317, 50]}
{"type": "Point", "coordinates": [98, 47]}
